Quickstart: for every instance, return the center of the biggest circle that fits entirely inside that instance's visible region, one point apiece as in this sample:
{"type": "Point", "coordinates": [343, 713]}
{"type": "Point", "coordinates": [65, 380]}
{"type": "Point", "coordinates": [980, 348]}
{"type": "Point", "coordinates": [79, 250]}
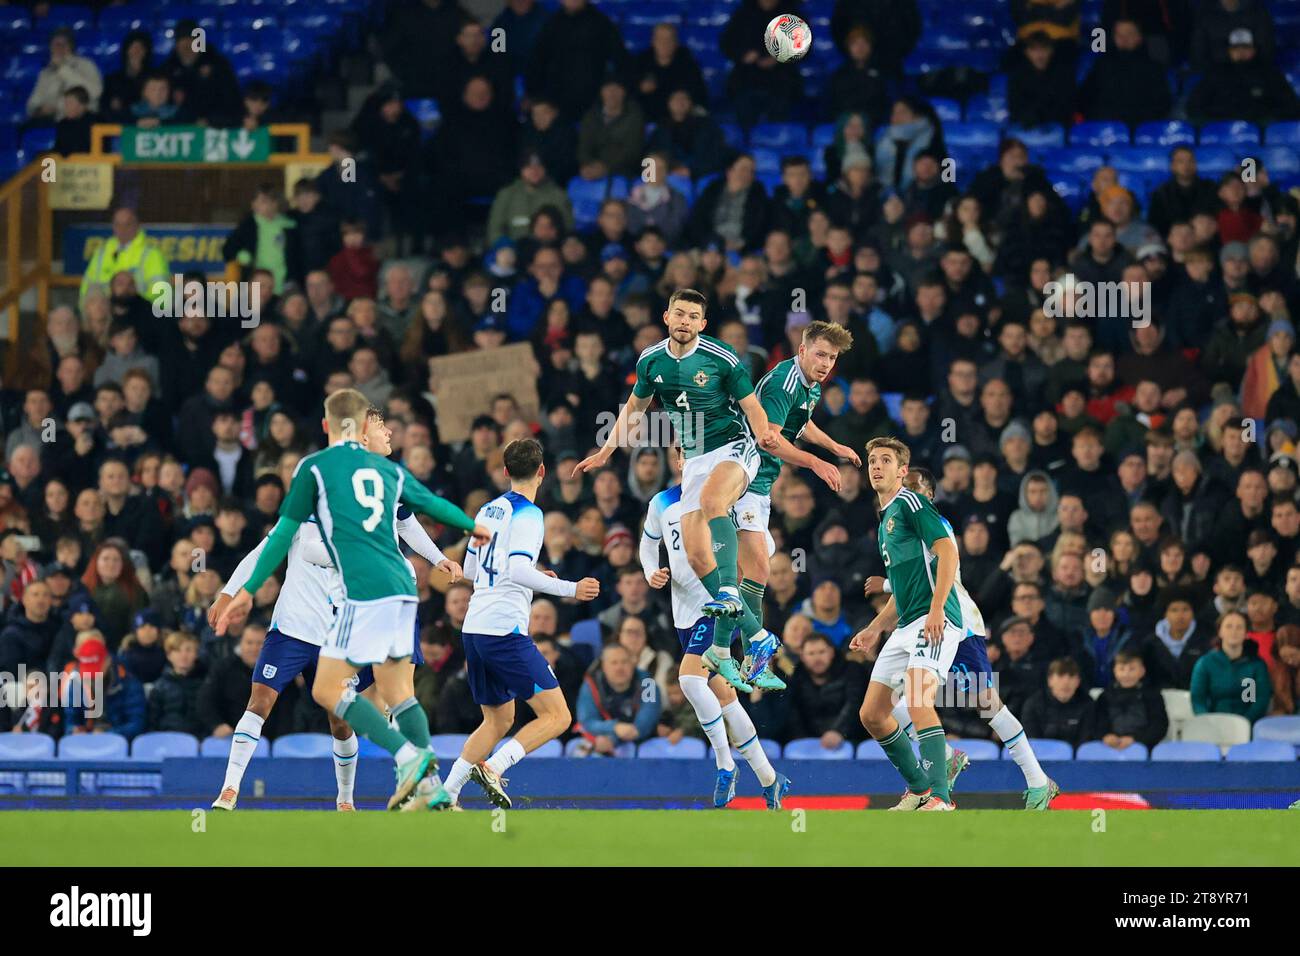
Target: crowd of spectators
{"type": "Point", "coordinates": [1125, 492]}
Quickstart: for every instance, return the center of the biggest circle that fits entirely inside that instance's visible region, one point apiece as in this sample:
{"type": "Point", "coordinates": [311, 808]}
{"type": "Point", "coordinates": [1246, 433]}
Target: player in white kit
{"type": "Point", "coordinates": [302, 616]}
{"type": "Point", "coordinates": [713, 699]}
{"type": "Point", "coordinates": [502, 662]}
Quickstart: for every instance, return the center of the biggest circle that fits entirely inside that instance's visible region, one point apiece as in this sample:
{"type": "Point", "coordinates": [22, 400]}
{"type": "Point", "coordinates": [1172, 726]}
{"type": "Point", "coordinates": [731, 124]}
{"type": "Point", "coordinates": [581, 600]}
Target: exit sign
{"type": "Point", "coordinates": [194, 144]}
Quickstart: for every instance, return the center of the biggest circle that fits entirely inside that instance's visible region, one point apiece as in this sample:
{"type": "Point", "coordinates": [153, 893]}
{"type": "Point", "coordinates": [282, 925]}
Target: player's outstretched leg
{"type": "Point", "coordinates": [956, 760]}
{"type": "Point", "coordinates": [694, 680]}
{"type": "Point", "coordinates": [745, 738]}
{"type": "Point", "coordinates": [877, 717]}
{"type": "Point", "coordinates": [243, 743]}
{"type": "Point", "coordinates": [755, 566]}
{"type": "Point", "coordinates": [921, 686]}
{"type": "Point", "coordinates": [497, 721]}
{"type": "Point", "coordinates": [1040, 789]}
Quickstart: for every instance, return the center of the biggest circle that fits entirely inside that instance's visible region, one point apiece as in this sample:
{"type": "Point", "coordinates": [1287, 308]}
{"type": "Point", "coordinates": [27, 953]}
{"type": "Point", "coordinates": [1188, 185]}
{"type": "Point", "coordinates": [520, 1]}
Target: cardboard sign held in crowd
{"type": "Point", "coordinates": [467, 381]}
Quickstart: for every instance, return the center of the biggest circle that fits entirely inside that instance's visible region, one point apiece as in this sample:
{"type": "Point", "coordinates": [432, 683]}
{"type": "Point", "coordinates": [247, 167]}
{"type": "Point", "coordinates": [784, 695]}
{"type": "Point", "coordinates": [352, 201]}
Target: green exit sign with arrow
{"type": "Point", "coordinates": [194, 144]}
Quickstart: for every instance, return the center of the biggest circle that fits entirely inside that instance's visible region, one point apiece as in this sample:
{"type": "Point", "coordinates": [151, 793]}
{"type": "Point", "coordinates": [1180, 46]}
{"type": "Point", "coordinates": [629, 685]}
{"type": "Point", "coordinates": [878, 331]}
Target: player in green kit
{"type": "Point", "coordinates": [709, 398]}
{"type": "Point", "coordinates": [921, 562]}
{"type": "Point", "coordinates": [354, 495]}
{"type": "Point", "coordinates": [788, 393]}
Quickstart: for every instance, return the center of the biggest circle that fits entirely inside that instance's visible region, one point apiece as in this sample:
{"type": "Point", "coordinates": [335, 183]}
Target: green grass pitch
{"type": "Point", "coordinates": [651, 838]}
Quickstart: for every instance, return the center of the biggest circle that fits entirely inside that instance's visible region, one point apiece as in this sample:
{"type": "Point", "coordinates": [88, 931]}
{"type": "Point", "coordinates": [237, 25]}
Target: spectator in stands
{"type": "Point", "coordinates": [470, 58]}
{"type": "Point", "coordinates": [689, 136]}
{"type": "Point", "coordinates": [1183, 195]}
{"type": "Point", "coordinates": [1040, 87]}
{"type": "Point", "coordinates": [156, 105]}
{"type": "Point", "coordinates": [123, 87]}
{"type": "Point", "coordinates": [912, 129]}
{"type": "Point", "coordinates": [1232, 678]}
{"type": "Point", "coordinates": [1284, 671]}
{"type": "Point", "coordinates": [472, 152]}
{"type": "Point", "coordinates": [121, 708]}
{"type": "Point", "coordinates": [129, 249]}
{"type": "Point", "coordinates": [611, 135]}
{"type": "Point", "coordinates": [72, 131]}
{"type": "Point", "coordinates": [174, 700]}
{"type": "Point", "coordinates": [895, 27]}
{"type": "Point", "coordinates": [141, 652]}
{"type": "Point", "coordinates": [1064, 710]}
{"type": "Point", "coordinates": [1003, 187]}
{"type": "Point", "coordinates": [1178, 643]}
{"type": "Point", "coordinates": [111, 581]}
{"type": "Point", "coordinates": [1126, 84]}
{"type": "Point", "coordinates": [617, 703]}
{"type": "Point", "coordinates": [1131, 709]}
{"type": "Point", "coordinates": [655, 203]}
{"type": "Point", "coordinates": [663, 68]}
{"type": "Point", "coordinates": [521, 21]}
{"type": "Point", "coordinates": [29, 628]}
{"type": "Point", "coordinates": [124, 355]}
{"type": "Point", "coordinates": [1020, 659]}
{"type": "Point", "coordinates": [130, 517]}
{"type": "Point", "coordinates": [859, 85]}
{"type": "Point", "coordinates": [825, 694]}
{"type": "Point", "coordinates": [1266, 368]}
{"type": "Point", "coordinates": [515, 205]}
{"type": "Point", "coordinates": [758, 86]}
{"type": "Point", "coordinates": [223, 695]}
{"type": "Point", "coordinates": [354, 269]}
{"type": "Point", "coordinates": [632, 636]}
{"type": "Point", "coordinates": [266, 239]}
{"type": "Point", "coordinates": [732, 207]}
{"type": "Point", "coordinates": [1245, 87]}
{"type": "Point", "coordinates": [576, 49]}
{"type": "Point", "coordinates": [1217, 20]}
{"type": "Point", "coordinates": [202, 79]}
{"type": "Point", "coordinates": [65, 71]}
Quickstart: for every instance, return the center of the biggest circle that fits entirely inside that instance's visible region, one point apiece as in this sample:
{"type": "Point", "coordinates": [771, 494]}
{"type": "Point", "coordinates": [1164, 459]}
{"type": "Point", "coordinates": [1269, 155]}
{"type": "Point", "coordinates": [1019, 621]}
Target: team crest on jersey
{"type": "Point", "coordinates": [701, 378]}
{"type": "Point", "coordinates": [748, 517]}
{"type": "Point", "coordinates": [889, 526]}
{"type": "Point", "coordinates": [268, 670]}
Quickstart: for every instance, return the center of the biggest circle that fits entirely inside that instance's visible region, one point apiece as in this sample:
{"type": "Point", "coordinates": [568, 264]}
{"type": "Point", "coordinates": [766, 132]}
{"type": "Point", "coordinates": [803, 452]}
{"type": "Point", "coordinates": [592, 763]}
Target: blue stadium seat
{"type": "Point", "coordinates": [683, 185]}
{"type": "Point", "coordinates": [688, 748]}
{"type": "Point", "coordinates": [13, 21]}
{"type": "Point", "coordinates": [550, 749]}
{"type": "Point", "coordinates": [1280, 160]}
{"type": "Point", "coordinates": [783, 137]}
{"type": "Point", "coordinates": [972, 133]}
{"type": "Point", "coordinates": [810, 748]}
{"type": "Point", "coordinates": [713, 15]}
{"type": "Point", "coordinates": [1099, 133]}
{"type": "Point", "coordinates": [1168, 133]}
{"type": "Point", "coordinates": [770, 180]}
{"type": "Point", "coordinates": [733, 134]}
{"type": "Point", "coordinates": [1139, 184]}
{"type": "Point", "coordinates": [1262, 750]}
{"type": "Point", "coordinates": [449, 746]}
{"type": "Point", "coordinates": [164, 743]}
{"type": "Point", "coordinates": [822, 135]}
{"type": "Point", "coordinates": [586, 197]}
{"type": "Point", "coordinates": [949, 111]}
{"type": "Point", "coordinates": [1286, 133]}
{"type": "Point", "coordinates": [1215, 160]}
{"type": "Point", "coordinates": [766, 162]}
{"type": "Point", "coordinates": [636, 36]}
{"type": "Point", "coordinates": [39, 140]}
{"type": "Point", "coordinates": [119, 21]}
{"type": "Point", "coordinates": [1139, 159]}
{"type": "Point", "coordinates": [1047, 749]}
{"type": "Point", "coordinates": [1074, 160]}
{"type": "Point", "coordinates": [93, 747]}
{"type": "Point", "coordinates": [426, 113]}
{"type": "Point", "coordinates": [1096, 750]}
{"type": "Point", "coordinates": [368, 748]}
{"type": "Point", "coordinates": [70, 15]}
{"type": "Point", "coordinates": [575, 747]}
{"type": "Point", "coordinates": [978, 749]}
{"type": "Point", "coordinates": [1039, 137]}
{"type": "Point", "coordinates": [589, 633]}
{"type": "Point", "coordinates": [987, 108]}
{"type": "Point", "coordinates": [220, 747]}
{"type": "Point", "coordinates": [303, 746]}
{"type": "Point", "coordinates": [1229, 133]}
{"type": "Point", "coordinates": [26, 747]}
{"type": "Point", "coordinates": [870, 750]}
{"type": "Point", "coordinates": [700, 39]}
{"type": "Point", "coordinates": [1180, 750]}
{"type": "Point", "coordinates": [1285, 729]}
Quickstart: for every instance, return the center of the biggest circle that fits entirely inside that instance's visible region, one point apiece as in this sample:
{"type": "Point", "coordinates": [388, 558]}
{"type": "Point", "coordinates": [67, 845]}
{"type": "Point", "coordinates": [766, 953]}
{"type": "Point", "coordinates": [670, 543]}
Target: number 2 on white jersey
{"type": "Point", "coordinates": [368, 488]}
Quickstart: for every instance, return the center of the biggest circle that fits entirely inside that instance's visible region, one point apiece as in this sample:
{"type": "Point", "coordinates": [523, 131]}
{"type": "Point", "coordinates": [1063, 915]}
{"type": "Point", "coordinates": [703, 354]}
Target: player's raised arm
{"type": "Point", "coordinates": [635, 405]}
{"type": "Point", "coordinates": [421, 499]}
{"type": "Point", "coordinates": [815, 436]}
{"type": "Point", "coordinates": [822, 468]}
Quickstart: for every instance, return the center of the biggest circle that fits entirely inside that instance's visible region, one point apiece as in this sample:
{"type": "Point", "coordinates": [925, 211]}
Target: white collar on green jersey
{"type": "Point", "coordinates": [689, 352]}
{"type": "Point", "coordinates": [804, 380]}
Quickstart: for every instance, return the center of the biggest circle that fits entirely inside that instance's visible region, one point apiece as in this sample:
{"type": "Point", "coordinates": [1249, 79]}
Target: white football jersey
{"type": "Point", "coordinates": [970, 612]}
{"type": "Point", "coordinates": [500, 605]}
{"type": "Point", "coordinates": [305, 607]}
{"type": "Point", "coordinates": [663, 522]}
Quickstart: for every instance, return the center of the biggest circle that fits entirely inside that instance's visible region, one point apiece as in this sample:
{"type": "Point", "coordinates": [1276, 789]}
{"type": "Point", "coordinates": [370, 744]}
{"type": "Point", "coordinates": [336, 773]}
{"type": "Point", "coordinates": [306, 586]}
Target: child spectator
{"type": "Point", "coordinates": [1064, 711]}
{"type": "Point", "coordinates": [142, 652]}
{"type": "Point", "coordinates": [1261, 616]}
{"type": "Point", "coordinates": [354, 268]}
{"type": "Point", "coordinates": [155, 107]}
{"type": "Point", "coordinates": [1131, 709]}
{"type": "Point", "coordinates": [266, 239]}
{"type": "Point", "coordinates": [174, 702]}
{"type": "Point", "coordinates": [317, 228]}
{"type": "Point", "coordinates": [257, 105]}
{"type": "Point", "coordinates": [1035, 519]}
{"type": "Point", "coordinates": [1238, 222]}
{"type": "Point", "coordinates": [825, 608]}
{"type": "Point", "coordinates": [121, 702]}
{"type": "Point", "coordinates": [1232, 679]}
{"type": "Point", "coordinates": [1285, 671]}
{"type": "Point", "coordinates": [72, 132]}
{"type": "Point", "coordinates": [125, 354]}
{"type": "Point", "coordinates": [1103, 637]}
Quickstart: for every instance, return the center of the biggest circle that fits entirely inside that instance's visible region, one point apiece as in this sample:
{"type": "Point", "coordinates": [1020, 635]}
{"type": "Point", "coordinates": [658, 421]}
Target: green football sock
{"type": "Point", "coordinates": [412, 722]}
{"type": "Point", "coordinates": [751, 592]}
{"type": "Point", "coordinates": [712, 582]}
{"type": "Point", "coordinates": [898, 748]}
{"type": "Point", "coordinates": [367, 720]}
{"type": "Point", "coordinates": [934, 761]}
{"type": "Point", "coordinates": [724, 550]}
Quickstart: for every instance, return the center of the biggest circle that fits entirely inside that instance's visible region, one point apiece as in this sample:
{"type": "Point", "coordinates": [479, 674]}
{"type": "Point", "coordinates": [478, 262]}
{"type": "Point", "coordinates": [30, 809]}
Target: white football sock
{"type": "Point", "coordinates": [242, 745]}
{"type": "Point", "coordinates": [460, 772]}
{"type": "Point", "coordinates": [1012, 734]}
{"type": "Point", "coordinates": [505, 758]}
{"type": "Point", "coordinates": [741, 729]}
{"type": "Point", "coordinates": [408, 751]}
{"type": "Point", "coordinates": [705, 704]}
{"type": "Point", "coordinates": [345, 767]}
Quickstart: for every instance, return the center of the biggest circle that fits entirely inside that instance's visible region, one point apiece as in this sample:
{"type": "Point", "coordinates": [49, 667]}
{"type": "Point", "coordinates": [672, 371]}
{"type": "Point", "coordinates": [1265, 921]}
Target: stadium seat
{"type": "Point", "coordinates": [1178, 706]}
{"type": "Point", "coordinates": [588, 632]}
{"type": "Point", "coordinates": [810, 748]}
{"type": "Point", "coordinates": [1070, 159]}
{"type": "Point", "coordinates": [40, 140]}
{"type": "Point", "coordinates": [1099, 133]}
{"type": "Point", "coordinates": [220, 747]}
{"type": "Point", "coordinates": [949, 111]}
{"type": "Point", "coordinates": [1167, 133]}
{"type": "Point", "coordinates": [1285, 729]}
{"type": "Point", "coordinates": [1229, 133]}
{"type": "Point", "coordinates": [426, 113]}
{"type": "Point", "coordinates": [1223, 730]}
{"type": "Point", "coordinates": [972, 133]}
{"type": "Point", "coordinates": [1046, 749]}
{"type": "Point", "coordinates": [578, 747]}
{"type": "Point", "coordinates": [1286, 133]}
{"type": "Point", "coordinates": [989, 109]}
{"type": "Point", "coordinates": [449, 746]}
{"type": "Point", "coordinates": [93, 747]}
{"type": "Point", "coordinates": [1073, 191]}
{"type": "Point", "coordinates": [1262, 751]}
{"type": "Point", "coordinates": [303, 745]}
{"type": "Point", "coordinates": [368, 748]}
{"type": "Point", "coordinates": [26, 747]}
{"type": "Point", "coordinates": [1178, 750]}
{"type": "Point", "coordinates": [161, 744]}
{"type": "Point", "coordinates": [550, 749]}
{"type": "Point", "coordinates": [733, 134]}
{"type": "Point", "coordinates": [688, 748]}
{"type": "Point", "coordinates": [785, 138]}
{"type": "Point", "coordinates": [1039, 137]}
{"type": "Point", "coordinates": [870, 750]}
{"type": "Point", "coordinates": [978, 749]}
{"type": "Point", "coordinates": [1214, 161]}
{"type": "Point", "coordinates": [1096, 750]}
{"type": "Point", "coordinates": [1139, 159]}
{"type": "Point", "coordinates": [766, 161]}
{"type": "Point", "coordinates": [1280, 160]}
{"type": "Point", "coordinates": [683, 185]}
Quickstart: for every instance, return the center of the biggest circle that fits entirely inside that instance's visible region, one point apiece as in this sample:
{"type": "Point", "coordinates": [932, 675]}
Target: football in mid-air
{"type": "Point", "coordinates": [788, 38]}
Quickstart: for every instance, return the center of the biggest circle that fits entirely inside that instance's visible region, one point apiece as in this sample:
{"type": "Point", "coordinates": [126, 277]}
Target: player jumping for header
{"type": "Point", "coordinates": [971, 663]}
{"type": "Point", "coordinates": [921, 561]}
{"type": "Point", "coordinates": [707, 394]}
{"type": "Point", "coordinates": [354, 495]}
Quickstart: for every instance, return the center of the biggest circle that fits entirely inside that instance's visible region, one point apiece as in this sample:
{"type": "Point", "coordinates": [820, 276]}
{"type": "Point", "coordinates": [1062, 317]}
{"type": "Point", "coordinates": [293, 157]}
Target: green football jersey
{"type": "Point", "coordinates": [354, 495]}
{"type": "Point", "coordinates": [789, 397]}
{"type": "Point", "coordinates": [701, 392]}
{"type": "Point", "coordinates": [909, 525]}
